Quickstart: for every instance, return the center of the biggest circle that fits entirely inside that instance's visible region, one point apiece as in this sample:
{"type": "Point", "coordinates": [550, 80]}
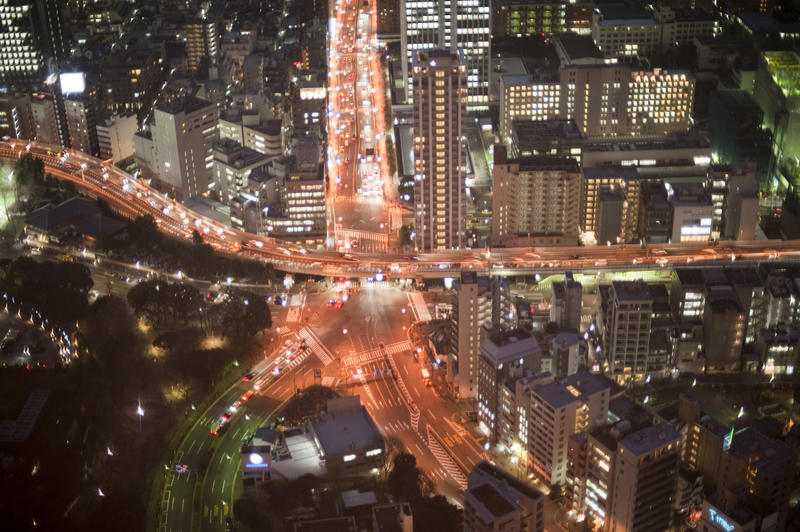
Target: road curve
{"type": "Point", "coordinates": [133, 197]}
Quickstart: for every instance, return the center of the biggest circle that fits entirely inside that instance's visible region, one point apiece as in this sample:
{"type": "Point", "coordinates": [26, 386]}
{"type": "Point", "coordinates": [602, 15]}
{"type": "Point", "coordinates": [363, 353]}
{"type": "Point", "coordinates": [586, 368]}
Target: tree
{"type": "Point", "coordinates": [147, 300]}
{"type": "Point", "coordinates": [197, 238]}
{"type": "Point", "coordinates": [144, 231]}
{"type": "Point", "coordinates": [403, 481]}
{"type": "Point", "coordinates": [405, 234]}
{"type": "Point", "coordinates": [435, 514]}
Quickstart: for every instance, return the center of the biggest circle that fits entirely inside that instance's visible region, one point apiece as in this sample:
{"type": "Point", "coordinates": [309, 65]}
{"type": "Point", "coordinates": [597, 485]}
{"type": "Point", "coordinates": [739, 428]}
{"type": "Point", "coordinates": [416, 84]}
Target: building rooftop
{"type": "Point", "coordinates": [687, 195]}
{"type": "Point", "coordinates": [485, 470]}
{"type": "Point", "coordinates": [185, 104]}
{"type": "Point", "coordinates": [628, 173]}
{"type": "Point", "coordinates": [353, 498]}
{"type": "Point", "coordinates": [341, 432]}
{"type": "Point", "coordinates": [555, 394]}
{"type": "Point", "coordinates": [493, 503]}
{"type": "Point", "coordinates": [504, 345]}
{"type": "Point", "coordinates": [631, 291]}
{"type": "Point", "coordinates": [550, 131]}
{"type": "Point", "coordinates": [649, 439]}
{"type": "Point", "coordinates": [588, 383]}
{"type": "Point", "coordinates": [544, 163]}
{"type": "Point", "coordinates": [572, 47]}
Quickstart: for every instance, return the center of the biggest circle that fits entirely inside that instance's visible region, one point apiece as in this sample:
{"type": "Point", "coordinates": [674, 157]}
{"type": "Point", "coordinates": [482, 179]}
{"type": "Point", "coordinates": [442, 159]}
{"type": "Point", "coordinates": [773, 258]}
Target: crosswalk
{"type": "Point", "coordinates": [376, 353]}
{"type": "Point", "coordinates": [313, 344]}
{"type": "Point", "coordinates": [395, 427]}
{"type": "Point", "coordinates": [445, 460]}
{"type": "Point", "coordinates": [283, 330]}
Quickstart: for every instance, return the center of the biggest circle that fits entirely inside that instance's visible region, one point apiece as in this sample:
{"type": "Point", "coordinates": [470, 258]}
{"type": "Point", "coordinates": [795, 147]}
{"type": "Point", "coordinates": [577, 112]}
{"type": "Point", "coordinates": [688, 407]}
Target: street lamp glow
{"type": "Point", "coordinates": [139, 410]}
{"type": "Point", "coordinates": [344, 331]}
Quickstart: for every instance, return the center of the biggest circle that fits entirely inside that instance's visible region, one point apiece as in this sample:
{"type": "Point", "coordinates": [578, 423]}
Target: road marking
{"type": "Point", "coordinates": [222, 489]}
{"type": "Point", "coordinates": [213, 483]}
{"type": "Point", "coordinates": [183, 501]}
{"type": "Point", "coordinates": [313, 343]}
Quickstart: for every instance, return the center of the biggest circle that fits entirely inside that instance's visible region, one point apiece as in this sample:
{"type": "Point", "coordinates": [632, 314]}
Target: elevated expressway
{"type": "Point", "coordinates": [132, 197]}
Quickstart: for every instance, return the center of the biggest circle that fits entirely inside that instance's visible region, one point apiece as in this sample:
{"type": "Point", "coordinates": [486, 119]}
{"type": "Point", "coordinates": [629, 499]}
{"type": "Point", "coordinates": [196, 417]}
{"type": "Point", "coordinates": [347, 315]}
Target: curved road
{"type": "Point", "coordinates": [133, 197]}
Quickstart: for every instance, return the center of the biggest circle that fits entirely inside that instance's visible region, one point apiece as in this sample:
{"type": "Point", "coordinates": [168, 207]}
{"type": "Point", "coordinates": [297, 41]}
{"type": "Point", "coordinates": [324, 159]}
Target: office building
{"type": "Point", "coordinates": [309, 99]}
{"type": "Point", "coordinates": [183, 133]}
{"type": "Point", "coordinates": [605, 99]}
{"type": "Point", "coordinates": [556, 410]}
{"type": "Point", "coordinates": [740, 207]}
{"type": "Point", "coordinates": [389, 18]}
{"type": "Point", "coordinates": [478, 301]}
{"type": "Point", "coordinates": [127, 77]}
{"type": "Point", "coordinates": [439, 164]}
{"type": "Point", "coordinates": [565, 303]}
{"type": "Point", "coordinates": [506, 355]}
{"type": "Point", "coordinates": [31, 42]}
{"type": "Point", "coordinates": [655, 214]}
{"type": "Point", "coordinates": [115, 137]}
{"type": "Point", "coordinates": [232, 166]}
{"type": "Point", "coordinates": [16, 121]}
{"type": "Point", "coordinates": [460, 26]}
{"type": "Point", "coordinates": [496, 500]}
{"type": "Point", "coordinates": [553, 137]}
{"type": "Point", "coordinates": [610, 187]}
{"type": "Point", "coordinates": [82, 124]}
{"type": "Point", "coordinates": [535, 196]}
{"type": "Point", "coordinates": [735, 510]}
{"type": "Point", "coordinates": [44, 113]}
{"type": "Point", "coordinates": [734, 128]}
{"type": "Point", "coordinates": [765, 465]}
{"type": "Point", "coordinates": [622, 477]}
{"type": "Point", "coordinates": [516, 18]}
{"type": "Point", "coordinates": [775, 91]}
{"type": "Point", "coordinates": [724, 325]}
{"type": "Point", "coordinates": [627, 308]}
{"type": "Point", "coordinates": [567, 354]}
{"type": "Point", "coordinates": [692, 213]}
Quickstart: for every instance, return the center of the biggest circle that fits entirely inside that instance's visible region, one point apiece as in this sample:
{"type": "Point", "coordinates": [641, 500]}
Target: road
{"type": "Point", "coordinates": [132, 197]}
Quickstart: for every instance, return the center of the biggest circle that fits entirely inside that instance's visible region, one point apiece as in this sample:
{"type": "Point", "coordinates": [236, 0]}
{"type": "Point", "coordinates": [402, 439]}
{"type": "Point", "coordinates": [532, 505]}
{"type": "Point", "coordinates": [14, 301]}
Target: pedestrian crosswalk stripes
{"type": "Point", "coordinates": [313, 343]}
{"type": "Point", "coordinates": [445, 460]}
{"type": "Point", "coordinates": [376, 353]}
{"type": "Point", "coordinates": [283, 330]}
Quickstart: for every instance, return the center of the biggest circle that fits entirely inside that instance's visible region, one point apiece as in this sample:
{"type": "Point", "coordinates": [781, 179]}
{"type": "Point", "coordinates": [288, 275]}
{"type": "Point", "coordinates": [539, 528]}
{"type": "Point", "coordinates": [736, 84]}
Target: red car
{"type": "Point", "coordinates": [246, 395]}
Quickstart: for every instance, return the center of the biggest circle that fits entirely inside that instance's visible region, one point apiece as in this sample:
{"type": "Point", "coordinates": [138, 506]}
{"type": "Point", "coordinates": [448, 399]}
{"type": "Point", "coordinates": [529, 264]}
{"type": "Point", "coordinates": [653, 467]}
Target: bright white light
{"type": "Point", "coordinates": [256, 458]}
{"type": "Point", "coordinates": [72, 82]}
{"type": "Point", "coordinates": [139, 410]}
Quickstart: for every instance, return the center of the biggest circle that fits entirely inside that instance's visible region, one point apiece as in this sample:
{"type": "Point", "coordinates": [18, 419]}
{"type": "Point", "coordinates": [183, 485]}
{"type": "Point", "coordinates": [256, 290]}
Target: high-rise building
{"type": "Point", "coordinates": [602, 185]}
{"type": "Point", "coordinates": [16, 121]}
{"type": "Point", "coordinates": [557, 409]}
{"type": "Point", "coordinates": [565, 303]}
{"type": "Point", "coordinates": [82, 124]}
{"type": "Point", "coordinates": [627, 308]}
{"type": "Point", "coordinates": [201, 43]}
{"type": "Point", "coordinates": [462, 26]}
{"type": "Point", "coordinates": [30, 35]}
{"type": "Point", "coordinates": [183, 134]}
{"type": "Point", "coordinates": [232, 166]}
{"type": "Point", "coordinates": [605, 99]}
{"type": "Point", "coordinates": [389, 18]}
{"type": "Point", "coordinates": [478, 301]}
{"type": "Point", "coordinates": [517, 18]}
{"type": "Point", "coordinates": [127, 77]}
{"type": "Point", "coordinates": [497, 500]}
{"type": "Point", "coordinates": [622, 477]}
{"type": "Point", "coordinates": [535, 196]}
{"type": "Point", "coordinates": [439, 164]}
{"type": "Point", "coordinates": [506, 355]}
{"type": "Point", "coordinates": [115, 137]}
{"type": "Point", "coordinates": [44, 115]}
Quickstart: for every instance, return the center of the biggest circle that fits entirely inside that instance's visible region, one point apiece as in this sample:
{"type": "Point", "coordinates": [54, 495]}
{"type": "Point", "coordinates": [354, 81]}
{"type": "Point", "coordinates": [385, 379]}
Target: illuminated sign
{"type": "Point", "coordinates": [255, 461]}
{"type": "Point", "coordinates": [72, 83]}
{"type": "Point", "coordinates": [715, 517]}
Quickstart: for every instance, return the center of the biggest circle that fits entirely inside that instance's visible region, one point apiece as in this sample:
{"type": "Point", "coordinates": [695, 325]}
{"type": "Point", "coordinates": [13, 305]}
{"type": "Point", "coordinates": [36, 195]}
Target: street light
{"type": "Point", "coordinates": [140, 413]}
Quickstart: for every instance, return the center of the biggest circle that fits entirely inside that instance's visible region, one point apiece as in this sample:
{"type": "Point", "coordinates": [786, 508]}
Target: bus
{"type": "Point", "coordinates": [426, 376]}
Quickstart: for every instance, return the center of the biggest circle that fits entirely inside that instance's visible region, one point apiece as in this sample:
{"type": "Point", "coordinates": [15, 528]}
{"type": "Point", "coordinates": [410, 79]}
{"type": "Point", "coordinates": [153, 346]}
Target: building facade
{"type": "Point", "coordinates": [439, 164]}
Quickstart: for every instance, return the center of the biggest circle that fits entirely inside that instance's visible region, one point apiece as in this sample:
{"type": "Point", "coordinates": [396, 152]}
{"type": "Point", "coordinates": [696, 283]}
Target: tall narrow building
{"type": "Point", "coordinates": [565, 302]}
{"type": "Point", "coordinates": [455, 25]}
{"type": "Point", "coordinates": [30, 34]}
{"type": "Point", "coordinates": [439, 165]}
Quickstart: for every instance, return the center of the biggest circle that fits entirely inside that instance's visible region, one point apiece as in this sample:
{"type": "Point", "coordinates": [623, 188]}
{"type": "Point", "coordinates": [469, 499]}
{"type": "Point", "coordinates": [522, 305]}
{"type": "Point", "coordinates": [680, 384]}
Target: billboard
{"type": "Point", "coordinates": [72, 82]}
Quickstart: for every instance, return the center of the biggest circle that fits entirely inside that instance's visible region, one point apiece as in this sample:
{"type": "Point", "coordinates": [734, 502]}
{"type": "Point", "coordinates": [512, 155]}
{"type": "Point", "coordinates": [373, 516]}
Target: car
{"type": "Point", "coordinates": [247, 395]}
{"type": "Point", "coordinates": [234, 407]}
{"type": "Point", "coordinates": [330, 303]}
{"type": "Point", "coordinates": [338, 304]}
{"type": "Point", "coordinates": [248, 377]}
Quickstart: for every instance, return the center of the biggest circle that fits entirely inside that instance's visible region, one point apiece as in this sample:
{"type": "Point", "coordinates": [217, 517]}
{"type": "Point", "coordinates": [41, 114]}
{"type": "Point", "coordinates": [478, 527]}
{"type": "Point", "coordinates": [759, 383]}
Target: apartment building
{"type": "Point", "coordinates": [627, 308]}
{"type": "Point", "coordinates": [566, 302]}
{"type": "Point", "coordinates": [624, 183]}
{"type": "Point", "coordinates": [232, 166]}
{"type": "Point", "coordinates": [496, 500]}
{"type": "Point", "coordinates": [477, 301]}
{"type": "Point", "coordinates": [439, 165]}
{"type": "Point", "coordinates": [535, 196]}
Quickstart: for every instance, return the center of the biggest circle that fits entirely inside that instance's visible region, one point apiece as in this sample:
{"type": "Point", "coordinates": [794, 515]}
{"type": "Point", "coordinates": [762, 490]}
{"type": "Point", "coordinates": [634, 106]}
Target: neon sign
{"type": "Point", "coordinates": [717, 519]}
